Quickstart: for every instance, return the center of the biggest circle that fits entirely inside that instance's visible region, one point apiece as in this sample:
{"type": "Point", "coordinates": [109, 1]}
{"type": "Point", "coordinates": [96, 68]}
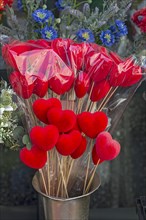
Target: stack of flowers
{"type": "Point", "coordinates": [67, 91]}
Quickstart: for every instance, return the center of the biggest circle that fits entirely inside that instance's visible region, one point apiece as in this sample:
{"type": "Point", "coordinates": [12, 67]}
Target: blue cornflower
{"type": "Point", "coordinates": [85, 35]}
{"type": "Point", "coordinates": [42, 15]}
{"type": "Point", "coordinates": [122, 28]}
{"type": "Point", "coordinates": [62, 4]}
{"type": "Point", "coordinates": [19, 5]}
{"type": "Point", "coordinates": [49, 33]}
{"type": "Point", "coordinates": [107, 38]}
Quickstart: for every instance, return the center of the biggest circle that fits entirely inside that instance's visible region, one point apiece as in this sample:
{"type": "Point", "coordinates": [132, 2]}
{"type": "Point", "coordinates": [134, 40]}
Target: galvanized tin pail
{"type": "Point", "coordinates": [76, 208]}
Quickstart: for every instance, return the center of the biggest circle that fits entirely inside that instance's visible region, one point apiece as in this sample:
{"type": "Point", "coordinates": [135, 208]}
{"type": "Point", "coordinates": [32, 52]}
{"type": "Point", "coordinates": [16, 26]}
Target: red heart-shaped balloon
{"type": "Point", "coordinates": [98, 66]}
{"type": "Point", "coordinates": [41, 107]}
{"type": "Point", "coordinates": [64, 120]}
{"type": "Point", "coordinates": [92, 123]}
{"type": "Point", "coordinates": [125, 73]}
{"type": "Point", "coordinates": [61, 46]}
{"type": "Point", "coordinates": [82, 84]}
{"type": "Point", "coordinates": [34, 158]}
{"type": "Point", "coordinates": [80, 150]}
{"type": "Point", "coordinates": [40, 87]}
{"type": "Point", "coordinates": [20, 85]}
{"type": "Point", "coordinates": [44, 137]}
{"type": "Point", "coordinates": [100, 90]}
{"type": "Point", "coordinates": [106, 147]}
{"type": "Point", "coordinates": [95, 157]}
{"type": "Point", "coordinates": [76, 57]}
{"type": "Point", "coordinates": [68, 143]}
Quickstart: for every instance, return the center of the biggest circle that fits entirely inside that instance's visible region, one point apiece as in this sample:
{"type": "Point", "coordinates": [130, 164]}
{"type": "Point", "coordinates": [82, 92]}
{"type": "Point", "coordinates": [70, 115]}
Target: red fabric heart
{"type": "Point", "coordinates": [92, 123]}
{"type": "Point", "coordinates": [125, 73]}
{"type": "Point", "coordinates": [61, 46]}
{"type": "Point", "coordinates": [68, 143]}
{"type": "Point", "coordinates": [40, 88]}
{"type": "Point", "coordinates": [82, 84]}
{"type": "Point", "coordinates": [95, 157]}
{"type": "Point", "coordinates": [64, 120]}
{"type": "Point", "coordinates": [20, 85]}
{"type": "Point", "coordinates": [34, 158]}
{"type": "Point", "coordinates": [41, 107]}
{"type": "Point", "coordinates": [80, 150]}
{"type": "Point", "coordinates": [44, 137]}
{"type": "Point", "coordinates": [106, 147]}
{"type": "Point", "coordinates": [99, 90]}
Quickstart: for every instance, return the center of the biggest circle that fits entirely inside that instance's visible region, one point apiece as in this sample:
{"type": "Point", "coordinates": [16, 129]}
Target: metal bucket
{"type": "Point", "coordinates": [76, 208]}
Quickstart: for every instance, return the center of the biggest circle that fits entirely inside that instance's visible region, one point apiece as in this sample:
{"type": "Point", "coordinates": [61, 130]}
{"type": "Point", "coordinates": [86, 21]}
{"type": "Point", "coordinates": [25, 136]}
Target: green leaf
{"type": "Point", "coordinates": [28, 146]}
{"type": "Point", "coordinates": [18, 132]}
{"type": "Point", "coordinates": [25, 139]}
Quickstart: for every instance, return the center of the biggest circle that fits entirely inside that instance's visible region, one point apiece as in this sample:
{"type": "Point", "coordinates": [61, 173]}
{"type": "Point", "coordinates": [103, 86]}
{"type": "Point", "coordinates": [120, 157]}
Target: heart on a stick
{"type": "Point", "coordinates": [34, 158]}
{"type": "Point", "coordinates": [68, 143]}
{"type": "Point", "coordinates": [106, 147]}
{"type": "Point", "coordinates": [64, 120]}
{"type": "Point", "coordinates": [80, 150]}
{"type": "Point", "coordinates": [41, 107]}
{"type": "Point", "coordinates": [44, 137]}
{"type": "Point", "coordinates": [92, 124]}
{"type": "Point", "coordinates": [95, 157]}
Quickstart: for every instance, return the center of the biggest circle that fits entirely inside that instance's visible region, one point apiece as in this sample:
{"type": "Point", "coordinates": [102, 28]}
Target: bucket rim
{"type": "Point", "coordinates": [65, 199]}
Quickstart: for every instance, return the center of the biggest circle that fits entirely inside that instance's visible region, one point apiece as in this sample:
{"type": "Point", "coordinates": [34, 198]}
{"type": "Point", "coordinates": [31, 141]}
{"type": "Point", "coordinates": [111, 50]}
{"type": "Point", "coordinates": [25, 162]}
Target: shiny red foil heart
{"type": "Point", "coordinates": [82, 84]}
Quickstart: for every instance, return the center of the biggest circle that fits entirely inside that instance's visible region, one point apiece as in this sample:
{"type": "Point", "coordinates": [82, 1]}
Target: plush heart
{"type": "Point", "coordinates": [106, 147]}
{"type": "Point", "coordinates": [92, 123]}
{"type": "Point", "coordinates": [82, 84]}
{"type": "Point", "coordinates": [95, 157]}
{"type": "Point", "coordinates": [125, 73]}
{"type": "Point", "coordinates": [68, 143]}
{"type": "Point", "coordinates": [40, 88]}
{"type": "Point", "coordinates": [34, 158]}
{"type": "Point", "coordinates": [80, 150]}
{"type": "Point", "coordinates": [20, 85]}
{"type": "Point", "coordinates": [44, 137]}
{"type": "Point", "coordinates": [100, 90]}
{"type": "Point", "coordinates": [64, 120]}
{"type": "Point", "coordinates": [41, 107]}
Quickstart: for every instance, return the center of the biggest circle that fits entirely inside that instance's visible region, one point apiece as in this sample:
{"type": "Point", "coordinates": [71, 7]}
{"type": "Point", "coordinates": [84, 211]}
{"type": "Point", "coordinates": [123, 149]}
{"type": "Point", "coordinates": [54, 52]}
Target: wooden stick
{"type": "Point", "coordinates": [65, 187]}
{"type": "Point", "coordinates": [44, 183]}
{"type": "Point", "coordinates": [88, 166]}
{"type": "Point", "coordinates": [70, 169]}
{"type": "Point", "coordinates": [48, 172]}
{"type": "Point", "coordinates": [104, 100]}
{"type": "Point", "coordinates": [108, 98]}
{"type": "Point", "coordinates": [91, 179]}
{"type": "Point", "coordinates": [88, 101]}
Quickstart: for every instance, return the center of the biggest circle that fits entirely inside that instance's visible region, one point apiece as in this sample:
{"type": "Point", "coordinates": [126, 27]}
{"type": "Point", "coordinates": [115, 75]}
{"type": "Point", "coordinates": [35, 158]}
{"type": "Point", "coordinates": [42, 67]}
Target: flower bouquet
{"type": "Point", "coordinates": [73, 92]}
{"type": "Point", "coordinates": [72, 95]}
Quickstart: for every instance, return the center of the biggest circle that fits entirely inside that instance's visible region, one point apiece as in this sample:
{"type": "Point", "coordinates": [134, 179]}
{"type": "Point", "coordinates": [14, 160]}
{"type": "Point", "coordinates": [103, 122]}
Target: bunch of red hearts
{"type": "Point", "coordinates": [63, 129]}
{"type": "Point", "coordinates": [62, 64]}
